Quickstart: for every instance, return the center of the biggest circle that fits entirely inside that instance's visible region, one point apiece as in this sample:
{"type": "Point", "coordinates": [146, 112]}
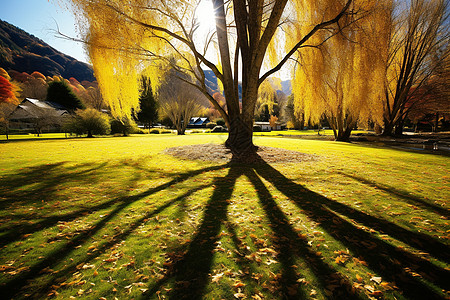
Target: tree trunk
{"type": "Point", "coordinates": [436, 124]}
{"type": "Point", "coordinates": [89, 135]}
{"type": "Point", "coordinates": [398, 129]}
{"type": "Point", "coordinates": [240, 140]}
{"type": "Point", "coordinates": [388, 128]}
{"type": "Point", "coordinates": [344, 135]}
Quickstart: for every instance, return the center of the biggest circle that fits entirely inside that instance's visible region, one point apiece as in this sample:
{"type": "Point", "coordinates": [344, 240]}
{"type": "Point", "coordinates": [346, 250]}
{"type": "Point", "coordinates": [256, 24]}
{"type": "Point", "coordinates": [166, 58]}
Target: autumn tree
{"type": "Point", "coordinates": [420, 30]}
{"type": "Point", "coordinates": [179, 102]}
{"type": "Point", "coordinates": [341, 80]}
{"type": "Point", "coordinates": [123, 37]}
{"type": "Point", "coordinates": [267, 103]}
{"type": "Point", "coordinates": [7, 91]}
{"type": "Point", "coordinates": [432, 100]}
{"type": "Point", "coordinates": [88, 121]}
{"type": "Point", "coordinates": [8, 99]}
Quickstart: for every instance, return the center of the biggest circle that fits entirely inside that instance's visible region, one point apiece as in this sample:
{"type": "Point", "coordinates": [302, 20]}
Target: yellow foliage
{"type": "Point", "coordinates": [345, 78]}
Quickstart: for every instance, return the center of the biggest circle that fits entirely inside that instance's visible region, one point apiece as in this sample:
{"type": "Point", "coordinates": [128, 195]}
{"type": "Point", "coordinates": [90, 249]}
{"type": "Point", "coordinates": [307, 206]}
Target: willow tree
{"type": "Point", "coordinates": [125, 37]}
{"type": "Point", "coordinates": [420, 30]}
{"type": "Point", "coordinates": [342, 80]}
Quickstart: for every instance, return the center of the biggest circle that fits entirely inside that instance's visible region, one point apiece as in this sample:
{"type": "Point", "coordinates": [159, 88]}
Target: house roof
{"type": "Point", "coordinates": [198, 121]}
{"type": "Point", "coordinates": [32, 108]}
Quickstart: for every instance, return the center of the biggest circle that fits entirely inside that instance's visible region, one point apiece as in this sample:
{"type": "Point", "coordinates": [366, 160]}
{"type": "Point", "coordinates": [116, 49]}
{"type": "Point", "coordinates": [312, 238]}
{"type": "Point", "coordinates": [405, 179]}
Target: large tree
{"type": "Point", "coordinates": [343, 82]}
{"type": "Point", "coordinates": [419, 32]}
{"type": "Point", "coordinates": [124, 37]}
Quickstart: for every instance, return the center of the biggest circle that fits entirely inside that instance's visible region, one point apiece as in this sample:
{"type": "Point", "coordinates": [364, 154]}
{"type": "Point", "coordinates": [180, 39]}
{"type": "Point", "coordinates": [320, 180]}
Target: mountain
{"type": "Point", "coordinates": [286, 87]}
{"type": "Point", "coordinates": [24, 52]}
{"type": "Point", "coordinates": [213, 86]}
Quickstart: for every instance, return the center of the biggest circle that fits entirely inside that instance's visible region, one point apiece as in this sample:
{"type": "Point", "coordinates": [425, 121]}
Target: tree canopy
{"type": "Point", "coordinates": [59, 92]}
{"type": "Point", "coordinates": [127, 39]}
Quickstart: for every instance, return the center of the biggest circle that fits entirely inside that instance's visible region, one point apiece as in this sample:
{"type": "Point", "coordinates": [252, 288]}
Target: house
{"type": "Point", "coordinates": [36, 115]}
{"type": "Point", "coordinates": [198, 122]}
{"type": "Point", "coordinates": [265, 126]}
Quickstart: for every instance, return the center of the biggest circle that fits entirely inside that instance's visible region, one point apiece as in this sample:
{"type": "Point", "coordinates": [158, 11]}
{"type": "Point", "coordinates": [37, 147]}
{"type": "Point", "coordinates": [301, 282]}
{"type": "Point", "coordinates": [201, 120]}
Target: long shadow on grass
{"type": "Point", "coordinates": [13, 287]}
{"type": "Point", "coordinates": [403, 195]}
{"type": "Point", "coordinates": [408, 271]}
{"type": "Point", "coordinates": [190, 271]}
{"type": "Point", "coordinates": [48, 178]}
{"type": "Point", "coordinates": [416, 277]}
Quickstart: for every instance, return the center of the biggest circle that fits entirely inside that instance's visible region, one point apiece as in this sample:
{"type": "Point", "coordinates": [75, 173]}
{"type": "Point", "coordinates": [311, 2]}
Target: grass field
{"type": "Point", "coordinates": [113, 217]}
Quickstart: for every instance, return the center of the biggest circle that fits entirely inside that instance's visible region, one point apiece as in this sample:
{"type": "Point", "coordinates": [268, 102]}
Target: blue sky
{"type": "Point", "coordinates": [39, 17]}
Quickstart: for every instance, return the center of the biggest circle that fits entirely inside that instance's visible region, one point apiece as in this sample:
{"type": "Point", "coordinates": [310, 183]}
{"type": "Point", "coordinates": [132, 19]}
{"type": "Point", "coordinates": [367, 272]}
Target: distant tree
{"type": "Point", "coordinates": [34, 87]}
{"type": "Point", "coordinates": [92, 97]}
{"type": "Point", "coordinates": [37, 75]}
{"type": "Point", "coordinates": [267, 103]}
{"type": "Point", "coordinates": [5, 74]}
{"type": "Point", "coordinates": [148, 105]}
{"type": "Point", "coordinates": [420, 29]}
{"type": "Point", "coordinates": [45, 118]}
{"type": "Point", "coordinates": [273, 121]}
{"type": "Point", "coordinates": [59, 92]}
{"type": "Point", "coordinates": [179, 102]}
{"type": "Point", "coordinates": [295, 119]}
{"type": "Point", "coordinates": [88, 121]}
{"type": "Point", "coordinates": [7, 91]}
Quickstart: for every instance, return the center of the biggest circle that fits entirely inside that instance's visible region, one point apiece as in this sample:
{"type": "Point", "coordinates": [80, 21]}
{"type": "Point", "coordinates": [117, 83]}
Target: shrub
{"type": "Point", "coordinates": [290, 125]}
{"type": "Point", "coordinates": [197, 131]}
{"type": "Point", "coordinates": [154, 131]}
{"type": "Point", "coordinates": [126, 127]}
{"type": "Point", "coordinates": [220, 122]}
{"type": "Point", "coordinates": [88, 121]}
{"type": "Point", "coordinates": [165, 131]}
{"type": "Point", "coordinates": [257, 128]}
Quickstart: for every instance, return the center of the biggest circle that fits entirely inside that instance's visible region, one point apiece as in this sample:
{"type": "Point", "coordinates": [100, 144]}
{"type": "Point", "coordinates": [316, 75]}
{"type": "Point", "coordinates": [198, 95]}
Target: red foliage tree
{"type": "Point", "coordinates": [7, 90]}
{"type": "Point", "coordinates": [37, 75]}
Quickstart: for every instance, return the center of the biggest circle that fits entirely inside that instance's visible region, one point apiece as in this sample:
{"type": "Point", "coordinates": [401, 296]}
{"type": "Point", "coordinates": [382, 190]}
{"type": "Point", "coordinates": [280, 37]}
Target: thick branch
{"type": "Point", "coordinates": [304, 39]}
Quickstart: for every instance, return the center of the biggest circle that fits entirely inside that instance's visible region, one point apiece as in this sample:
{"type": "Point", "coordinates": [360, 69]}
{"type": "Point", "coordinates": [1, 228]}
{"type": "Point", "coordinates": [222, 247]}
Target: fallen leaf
{"type": "Point", "coordinates": [239, 295]}
{"type": "Point", "coordinates": [369, 288]}
{"type": "Point", "coordinates": [217, 277]}
{"type": "Point", "coordinates": [377, 280]}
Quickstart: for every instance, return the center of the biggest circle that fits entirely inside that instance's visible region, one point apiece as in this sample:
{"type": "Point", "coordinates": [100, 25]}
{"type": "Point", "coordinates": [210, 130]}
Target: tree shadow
{"type": "Point", "coordinates": [393, 263]}
{"type": "Point", "coordinates": [415, 200]}
{"type": "Point", "coordinates": [191, 269]}
{"type": "Point", "coordinates": [14, 287]}
{"type": "Point", "coordinates": [192, 266]}
{"type": "Point", "coordinates": [290, 245]}
{"type": "Point", "coordinates": [190, 263]}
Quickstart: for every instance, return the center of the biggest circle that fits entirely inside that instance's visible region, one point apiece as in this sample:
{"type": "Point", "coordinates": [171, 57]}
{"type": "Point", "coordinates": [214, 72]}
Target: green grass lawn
{"type": "Point", "coordinates": [113, 217]}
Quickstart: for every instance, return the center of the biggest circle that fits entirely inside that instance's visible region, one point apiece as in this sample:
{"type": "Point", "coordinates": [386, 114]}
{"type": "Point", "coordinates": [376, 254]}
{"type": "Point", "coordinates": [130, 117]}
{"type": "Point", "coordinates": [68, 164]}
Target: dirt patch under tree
{"type": "Point", "coordinates": [219, 153]}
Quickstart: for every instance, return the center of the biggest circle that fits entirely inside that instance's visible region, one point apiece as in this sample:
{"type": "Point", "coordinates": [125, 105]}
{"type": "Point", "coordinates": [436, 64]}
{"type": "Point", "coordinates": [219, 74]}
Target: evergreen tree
{"type": "Point", "coordinates": [149, 107]}
{"type": "Point", "coordinates": [60, 92]}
